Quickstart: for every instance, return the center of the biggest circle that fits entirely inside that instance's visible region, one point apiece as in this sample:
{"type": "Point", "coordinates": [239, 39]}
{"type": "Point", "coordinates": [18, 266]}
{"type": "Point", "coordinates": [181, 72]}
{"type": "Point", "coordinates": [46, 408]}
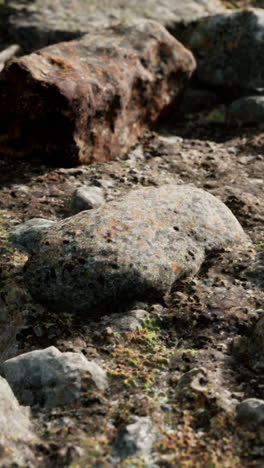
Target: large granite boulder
{"type": "Point", "coordinates": [90, 99]}
{"type": "Point", "coordinates": [129, 250]}
{"type": "Point", "coordinates": [35, 24]}
{"type": "Point", "coordinates": [16, 436]}
{"type": "Point", "coordinates": [228, 48]}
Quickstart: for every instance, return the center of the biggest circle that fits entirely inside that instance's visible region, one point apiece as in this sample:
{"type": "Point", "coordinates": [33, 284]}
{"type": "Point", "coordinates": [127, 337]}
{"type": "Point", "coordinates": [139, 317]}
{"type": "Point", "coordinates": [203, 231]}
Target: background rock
{"type": "Point", "coordinates": [251, 412]}
{"type": "Point", "coordinates": [131, 249]}
{"type": "Point", "coordinates": [228, 49]}
{"type": "Point", "coordinates": [16, 436]}
{"type": "Point", "coordinates": [36, 24]}
{"type": "Point", "coordinates": [246, 111]}
{"type": "Point", "coordinates": [90, 99]}
{"type": "Point", "coordinates": [50, 378]}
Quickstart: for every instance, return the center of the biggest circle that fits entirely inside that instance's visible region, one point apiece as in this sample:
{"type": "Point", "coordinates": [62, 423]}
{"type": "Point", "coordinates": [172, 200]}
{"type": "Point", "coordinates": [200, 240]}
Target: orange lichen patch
{"type": "Point", "coordinates": [176, 267]}
{"type": "Point", "coordinates": [101, 267]}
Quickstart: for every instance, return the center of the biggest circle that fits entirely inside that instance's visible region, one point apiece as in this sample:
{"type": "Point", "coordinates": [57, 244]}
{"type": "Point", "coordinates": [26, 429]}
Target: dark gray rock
{"type": "Point", "coordinates": [229, 49]}
{"type": "Point", "coordinates": [198, 100]}
{"type": "Point", "coordinates": [136, 438]}
{"type": "Point", "coordinates": [38, 24]}
{"type": "Point", "coordinates": [86, 198]}
{"type": "Point", "coordinates": [129, 250]}
{"type": "Point", "coordinates": [251, 412]}
{"type": "Point", "coordinates": [24, 236]}
{"type": "Point", "coordinates": [256, 271]}
{"type": "Point", "coordinates": [50, 378]}
{"type": "Point", "coordinates": [246, 110]}
{"type": "Point", "coordinates": [16, 436]}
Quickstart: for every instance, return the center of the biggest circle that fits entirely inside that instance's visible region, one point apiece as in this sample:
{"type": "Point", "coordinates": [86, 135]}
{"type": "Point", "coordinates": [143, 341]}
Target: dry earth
{"type": "Point", "coordinates": [207, 322]}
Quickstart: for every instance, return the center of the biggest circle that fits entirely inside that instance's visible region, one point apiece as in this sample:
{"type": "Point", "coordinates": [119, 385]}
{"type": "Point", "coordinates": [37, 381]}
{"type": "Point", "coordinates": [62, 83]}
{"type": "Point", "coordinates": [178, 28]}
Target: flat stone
{"type": "Point", "coordinates": [129, 250]}
{"type": "Point", "coordinates": [228, 48]}
{"type": "Point", "coordinates": [251, 412]}
{"type": "Point", "coordinates": [16, 436]}
{"type": "Point", "coordinates": [50, 378]}
{"type": "Point", "coordinates": [91, 99]}
{"type": "Point", "coordinates": [38, 23]}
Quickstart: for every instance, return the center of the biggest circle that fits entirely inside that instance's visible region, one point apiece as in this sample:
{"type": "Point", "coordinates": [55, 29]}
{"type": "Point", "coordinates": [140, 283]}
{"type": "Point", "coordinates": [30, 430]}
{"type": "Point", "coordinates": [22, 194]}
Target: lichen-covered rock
{"type": "Point", "coordinates": [228, 48]}
{"type": "Point", "coordinates": [42, 22]}
{"type": "Point", "coordinates": [129, 250]}
{"type": "Point", "coordinates": [16, 436]}
{"type": "Point", "coordinates": [90, 99]}
{"type": "Point", "coordinates": [50, 378]}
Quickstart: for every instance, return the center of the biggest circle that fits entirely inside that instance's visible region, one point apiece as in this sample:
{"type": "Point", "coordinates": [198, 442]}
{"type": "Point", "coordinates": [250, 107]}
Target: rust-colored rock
{"type": "Point", "coordinates": [90, 99]}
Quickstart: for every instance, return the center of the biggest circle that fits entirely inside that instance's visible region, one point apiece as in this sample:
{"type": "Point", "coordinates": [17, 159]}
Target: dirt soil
{"type": "Point", "coordinates": [206, 321]}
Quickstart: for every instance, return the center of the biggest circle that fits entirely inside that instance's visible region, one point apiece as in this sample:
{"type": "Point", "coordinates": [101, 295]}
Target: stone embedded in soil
{"type": "Point", "coordinates": [16, 436]}
{"type": "Point", "coordinates": [129, 250]}
{"type": "Point", "coordinates": [250, 412]}
{"type": "Point", "coordinates": [136, 438]}
{"type": "Point", "coordinates": [228, 48]}
{"type": "Point", "coordinates": [91, 99]}
{"type": "Point", "coordinates": [50, 378]}
{"type": "Point", "coordinates": [24, 236]}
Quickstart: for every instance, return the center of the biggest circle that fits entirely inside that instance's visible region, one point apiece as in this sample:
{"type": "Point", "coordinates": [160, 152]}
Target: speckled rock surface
{"type": "Point", "coordinates": [37, 23]}
{"type": "Point", "coordinates": [91, 99]}
{"type": "Point", "coordinates": [131, 249]}
{"type": "Point", "coordinates": [50, 378]}
{"type": "Point", "coordinates": [24, 236]}
{"type": "Point", "coordinates": [16, 435]}
{"type": "Point", "coordinates": [229, 49]}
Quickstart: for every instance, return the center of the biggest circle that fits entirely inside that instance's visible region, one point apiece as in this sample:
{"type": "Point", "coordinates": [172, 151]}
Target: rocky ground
{"type": "Point", "coordinates": [206, 323]}
{"type": "Point", "coordinates": [194, 356]}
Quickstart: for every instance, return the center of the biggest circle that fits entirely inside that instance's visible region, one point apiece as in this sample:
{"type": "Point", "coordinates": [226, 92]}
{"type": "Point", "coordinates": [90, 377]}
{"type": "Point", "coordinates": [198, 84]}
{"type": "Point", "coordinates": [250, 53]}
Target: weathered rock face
{"type": "Point", "coordinates": [16, 436]}
{"type": "Point", "coordinates": [129, 250]}
{"type": "Point", "coordinates": [51, 378]}
{"type": "Point", "coordinates": [91, 99]}
{"type": "Point", "coordinates": [39, 23]}
{"type": "Point", "coordinates": [229, 49]}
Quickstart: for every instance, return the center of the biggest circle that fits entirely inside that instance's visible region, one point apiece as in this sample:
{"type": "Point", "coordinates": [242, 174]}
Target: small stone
{"type": "Point", "coordinates": [193, 382]}
{"type": "Point", "coordinates": [128, 321]}
{"type": "Point", "coordinates": [246, 111]}
{"type": "Point", "coordinates": [24, 236]}
{"type": "Point", "coordinates": [136, 438]}
{"type": "Point", "coordinates": [250, 412]}
{"type": "Point", "coordinates": [50, 378]}
{"type": "Point", "coordinates": [86, 198]}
